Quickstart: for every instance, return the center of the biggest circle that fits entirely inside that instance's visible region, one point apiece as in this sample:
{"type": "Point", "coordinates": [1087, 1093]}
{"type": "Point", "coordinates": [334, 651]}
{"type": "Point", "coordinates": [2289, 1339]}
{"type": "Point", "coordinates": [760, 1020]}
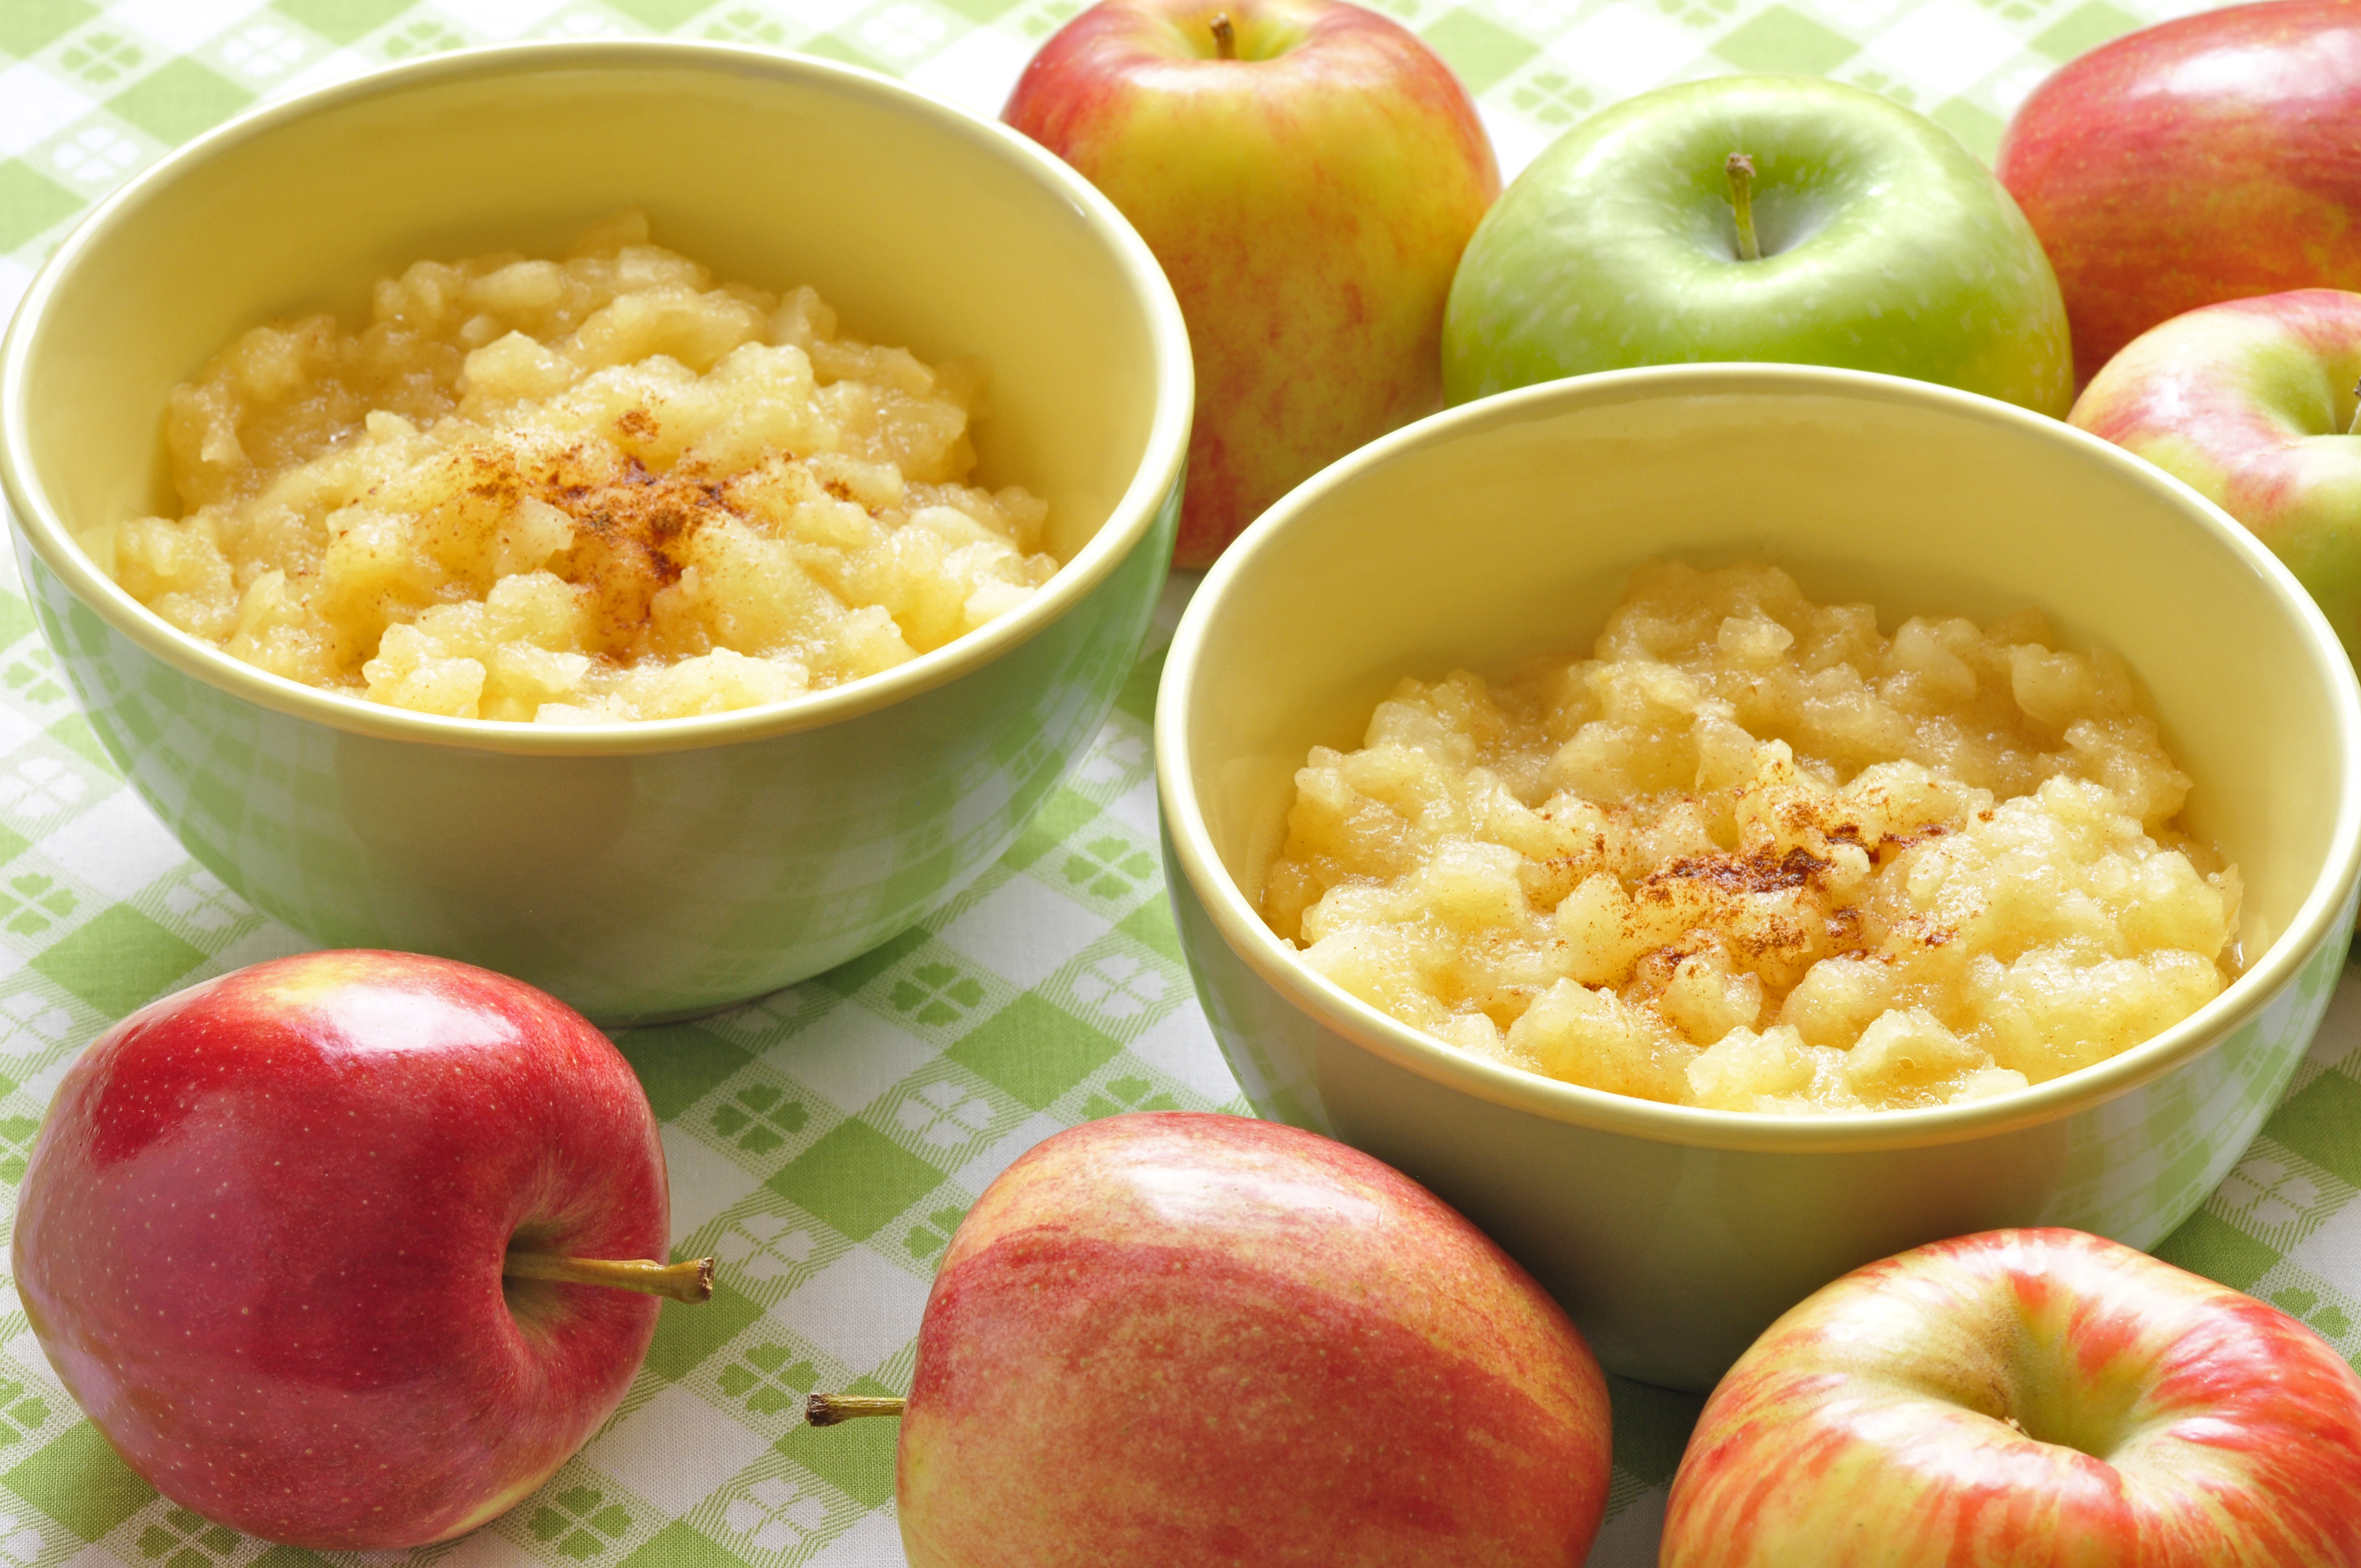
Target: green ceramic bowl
{"type": "Point", "coordinates": [654, 869]}
{"type": "Point", "coordinates": [1508, 527]}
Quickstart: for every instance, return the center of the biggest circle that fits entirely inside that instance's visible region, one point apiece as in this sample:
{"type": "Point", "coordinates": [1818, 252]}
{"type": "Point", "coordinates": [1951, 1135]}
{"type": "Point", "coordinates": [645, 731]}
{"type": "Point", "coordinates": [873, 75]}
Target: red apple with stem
{"type": "Point", "coordinates": [2251, 403]}
{"type": "Point", "coordinates": [2206, 158]}
{"type": "Point", "coordinates": [1197, 1340]}
{"type": "Point", "coordinates": [1307, 171]}
{"type": "Point", "coordinates": [2025, 1397]}
{"type": "Point", "coordinates": [349, 1250]}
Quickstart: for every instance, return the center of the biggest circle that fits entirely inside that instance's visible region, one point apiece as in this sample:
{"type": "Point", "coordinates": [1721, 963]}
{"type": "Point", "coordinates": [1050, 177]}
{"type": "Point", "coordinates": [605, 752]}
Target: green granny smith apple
{"type": "Point", "coordinates": [1883, 245]}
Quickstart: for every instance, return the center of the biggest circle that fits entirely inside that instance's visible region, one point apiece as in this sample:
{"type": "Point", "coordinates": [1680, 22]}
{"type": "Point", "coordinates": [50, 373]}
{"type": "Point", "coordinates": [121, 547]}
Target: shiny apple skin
{"type": "Point", "coordinates": [1871, 1423]}
{"type": "Point", "coordinates": [1174, 1340]}
{"type": "Point", "coordinates": [2248, 402]}
{"type": "Point", "coordinates": [259, 1238]}
{"type": "Point", "coordinates": [1308, 199]}
{"type": "Point", "coordinates": [2206, 159]}
{"type": "Point", "coordinates": [1886, 247]}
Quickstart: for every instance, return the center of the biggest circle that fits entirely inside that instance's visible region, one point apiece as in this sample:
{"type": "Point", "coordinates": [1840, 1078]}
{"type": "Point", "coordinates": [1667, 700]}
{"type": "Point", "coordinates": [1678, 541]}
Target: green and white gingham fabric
{"type": "Point", "coordinates": [825, 1141]}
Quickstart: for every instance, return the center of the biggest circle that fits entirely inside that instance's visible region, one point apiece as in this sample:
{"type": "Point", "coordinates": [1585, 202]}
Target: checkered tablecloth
{"type": "Point", "coordinates": [824, 1142]}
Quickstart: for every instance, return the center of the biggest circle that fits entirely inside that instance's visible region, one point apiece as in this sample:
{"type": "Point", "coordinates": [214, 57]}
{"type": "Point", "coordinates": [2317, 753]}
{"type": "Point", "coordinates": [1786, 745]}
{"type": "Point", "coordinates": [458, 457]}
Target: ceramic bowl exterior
{"type": "Point", "coordinates": [647, 871]}
{"type": "Point", "coordinates": [1674, 1235]}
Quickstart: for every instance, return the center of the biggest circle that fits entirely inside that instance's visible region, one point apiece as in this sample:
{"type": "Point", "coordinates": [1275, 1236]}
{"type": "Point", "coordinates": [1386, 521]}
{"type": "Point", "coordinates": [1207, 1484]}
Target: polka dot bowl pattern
{"type": "Point", "coordinates": [667, 867]}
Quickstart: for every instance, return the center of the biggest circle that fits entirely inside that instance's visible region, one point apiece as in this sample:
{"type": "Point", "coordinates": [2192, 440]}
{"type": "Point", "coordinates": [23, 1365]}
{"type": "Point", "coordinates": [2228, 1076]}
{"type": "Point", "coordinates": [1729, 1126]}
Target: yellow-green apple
{"type": "Point", "coordinates": [1307, 171]}
{"type": "Point", "coordinates": [321, 1245]}
{"type": "Point", "coordinates": [1191, 1340]}
{"type": "Point", "coordinates": [2019, 1398]}
{"type": "Point", "coordinates": [1881, 245]}
{"type": "Point", "coordinates": [2206, 158]}
{"type": "Point", "coordinates": [2251, 403]}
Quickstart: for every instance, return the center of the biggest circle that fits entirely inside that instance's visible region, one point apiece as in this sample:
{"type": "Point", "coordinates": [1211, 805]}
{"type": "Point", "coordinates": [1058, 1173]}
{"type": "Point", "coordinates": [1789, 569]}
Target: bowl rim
{"type": "Point", "coordinates": [1152, 487]}
{"type": "Point", "coordinates": [1277, 964]}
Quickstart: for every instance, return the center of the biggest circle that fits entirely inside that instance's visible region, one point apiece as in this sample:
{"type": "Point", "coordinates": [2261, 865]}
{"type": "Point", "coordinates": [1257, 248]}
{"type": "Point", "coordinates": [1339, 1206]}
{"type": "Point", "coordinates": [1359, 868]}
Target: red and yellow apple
{"type": "Point", "coordinates": [2206, 159]}
{"type": "Point", "coordinates": [307, 1243]}
{"type": "Point", "coordinates": [1308, 186]}
{"type": "Point", "coordinates": [2251, 403]}
{"type": "Point", "coordinates": [2019, 1398]}
{"type": "Point", "coordinates": [1191, 1340]}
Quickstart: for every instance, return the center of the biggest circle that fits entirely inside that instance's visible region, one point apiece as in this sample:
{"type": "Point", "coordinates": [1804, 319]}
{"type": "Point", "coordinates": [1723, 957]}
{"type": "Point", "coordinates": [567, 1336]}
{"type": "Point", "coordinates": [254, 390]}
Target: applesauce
{"type": "Point", "coordinates": [597, 488]}
{"type": "Point", "coordinates": [1753, 854]}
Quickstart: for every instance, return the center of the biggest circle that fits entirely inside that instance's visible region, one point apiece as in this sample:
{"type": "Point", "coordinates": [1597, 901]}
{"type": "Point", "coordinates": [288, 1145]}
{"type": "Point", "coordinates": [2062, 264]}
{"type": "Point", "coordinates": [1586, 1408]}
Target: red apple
{"type": "Point", "coordinates": [2251, 403]}
{"type": "Point", "coordinates": [1191, 1340]}
{"type": "Point", "coordinates": [2024, 1398]}
{"type": "Point", "coordinates": [1309, 199]}
{"type": "Point", "coordinates": [263, 1233]}
{"type": "Point", "coordinates": [2206, 159]}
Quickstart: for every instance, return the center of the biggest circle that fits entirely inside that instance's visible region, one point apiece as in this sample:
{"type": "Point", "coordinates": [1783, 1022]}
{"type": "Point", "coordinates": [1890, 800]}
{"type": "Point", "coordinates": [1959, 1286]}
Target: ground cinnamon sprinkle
{"type": "Point", "coordinates": [1755, 855]}
{"type": "Point", "coordinates": [576, 491]}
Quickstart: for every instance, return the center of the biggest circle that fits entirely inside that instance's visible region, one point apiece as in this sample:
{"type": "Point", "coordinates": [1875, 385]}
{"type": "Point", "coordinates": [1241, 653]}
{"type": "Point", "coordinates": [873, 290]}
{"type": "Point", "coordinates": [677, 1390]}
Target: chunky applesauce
{"type": "Point", "coordinates": [597, 488]}
{"type": "Point", "coordinates": [1755, 854]}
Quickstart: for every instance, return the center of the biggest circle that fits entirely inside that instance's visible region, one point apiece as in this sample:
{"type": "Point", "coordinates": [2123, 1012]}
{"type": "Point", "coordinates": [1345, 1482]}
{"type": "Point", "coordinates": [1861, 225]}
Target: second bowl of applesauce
{"type": "Point", "coordinates": [653, 518]}
{"type": "Point", "coordinates": [1753, 854]}
{"type": "Point", "coordinates": [1717, 825]}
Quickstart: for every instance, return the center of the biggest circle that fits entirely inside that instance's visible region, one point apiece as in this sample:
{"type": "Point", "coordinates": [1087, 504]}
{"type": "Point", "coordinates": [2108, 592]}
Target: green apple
{"type": "Point", "coordinates": [1884, 245]}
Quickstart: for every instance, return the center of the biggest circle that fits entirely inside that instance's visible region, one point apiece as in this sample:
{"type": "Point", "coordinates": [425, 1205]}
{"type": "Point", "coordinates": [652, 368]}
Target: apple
{"type": "Point", "coordinates": [1883, 246]}
{"type": "Point", "coordinates": [2250, 402]}
{"type": "Point", "coordinates": [319, 1245]}
{"type": "Point", "coordinates": [1196, 1340]}
{"type": "Point", "coordinates": [2206, 159]}
{"type": "Point", "coordinates": [1307, 172]}
{"type": "Point", "coordinates": [2023, 1397]}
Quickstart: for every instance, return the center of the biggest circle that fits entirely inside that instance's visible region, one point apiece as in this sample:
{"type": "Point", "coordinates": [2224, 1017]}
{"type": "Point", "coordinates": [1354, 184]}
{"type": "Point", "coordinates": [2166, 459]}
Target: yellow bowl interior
{"type": "Point", "coordinates": [922, 226]}
{"type": "Point", "coordinates": [1508, 528]}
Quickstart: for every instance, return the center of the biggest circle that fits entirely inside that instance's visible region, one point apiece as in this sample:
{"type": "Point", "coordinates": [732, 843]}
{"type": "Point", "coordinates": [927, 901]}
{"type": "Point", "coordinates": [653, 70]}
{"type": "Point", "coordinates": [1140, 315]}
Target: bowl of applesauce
{"type": "Point", "coordinates": [1720, 825]}
{"type": "Point", "coordinates": [653, 518]}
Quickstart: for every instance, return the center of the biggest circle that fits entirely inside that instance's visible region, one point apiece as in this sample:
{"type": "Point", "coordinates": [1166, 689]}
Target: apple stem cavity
{"type": "Point", "coordinates": [1225, 37]}
{"type": "Point", "coordinates": [690, 1281]}
{"type": "Point", "coordinates": [2352, 427]}
{"type": "Point", "coordinates": [1741, 170]}
{"type": "Point", "coordinates": [826, 1410]}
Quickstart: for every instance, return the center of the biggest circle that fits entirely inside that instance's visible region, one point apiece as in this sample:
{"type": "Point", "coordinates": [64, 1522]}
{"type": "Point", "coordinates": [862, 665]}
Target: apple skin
{"type": "Point", "coordinates": [1191, 1340]}
{"type": "Point", "coordinates": [1943, 1407]}
{"type": "Point", "coordinates": [1885, 246]}
{"type": "Point", "coordinates": [260, 1235]}
{"type": "Point", "coordinates": [2206, 158]}
{"type": "Point", "coordinates": [2248, 402]}
{"type": "Point", "coordinates": [1309, 200]}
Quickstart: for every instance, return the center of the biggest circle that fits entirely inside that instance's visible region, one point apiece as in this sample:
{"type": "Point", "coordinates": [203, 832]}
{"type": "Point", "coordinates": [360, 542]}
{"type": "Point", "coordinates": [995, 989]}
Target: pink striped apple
{"type": "Point", "coordinates": [2019, 1398]}
{"type": "Point", "coordinates": [1191, 1340]}
{"type": "Point", "coordinates": [2251, 403]}
{"type": "Point", "coordinates": [1307, 171]}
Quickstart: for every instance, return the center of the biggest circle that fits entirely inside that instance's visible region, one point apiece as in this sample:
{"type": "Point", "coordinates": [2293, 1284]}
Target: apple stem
{"type": "Point", "coordinates": [1225, 37]}
{"type": "Point", "coordinates": [689, 1281]}
{"type": "Point", "coordinates": [826, 1410]}
{"type": "Point", "coordinates": [2355, 427]}
{"type": "Point", "coordinates": [1741, 170]}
